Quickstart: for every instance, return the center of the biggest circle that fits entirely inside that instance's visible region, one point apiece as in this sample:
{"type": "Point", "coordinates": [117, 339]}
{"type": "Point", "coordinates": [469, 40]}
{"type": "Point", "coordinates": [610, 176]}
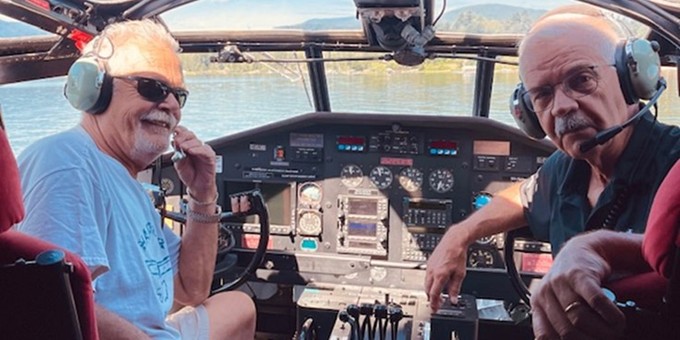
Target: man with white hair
{"type": "Point", "coordinates": [81, 192]}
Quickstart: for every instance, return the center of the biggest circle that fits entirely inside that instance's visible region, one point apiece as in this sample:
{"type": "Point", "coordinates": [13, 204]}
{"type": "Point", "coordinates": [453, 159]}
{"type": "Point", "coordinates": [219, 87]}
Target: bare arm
{"type": "Point", "coordinates": [199, 241]}
{"type": "Point", "coordinates": [112, 327]}
{"type": "Point", "coordinates": [447, 263]}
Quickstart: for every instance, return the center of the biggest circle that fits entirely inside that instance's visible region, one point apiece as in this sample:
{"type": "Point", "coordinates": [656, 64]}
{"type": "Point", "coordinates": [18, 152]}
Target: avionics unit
{"type": "Point", "coordinates": [362, 225]}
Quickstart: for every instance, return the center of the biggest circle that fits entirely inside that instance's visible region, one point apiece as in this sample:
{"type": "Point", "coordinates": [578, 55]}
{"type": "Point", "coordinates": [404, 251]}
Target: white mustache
{"type": "Point", "coordinates": [160, 115]}
{"type": "Point", "coordinates": [569, 123]}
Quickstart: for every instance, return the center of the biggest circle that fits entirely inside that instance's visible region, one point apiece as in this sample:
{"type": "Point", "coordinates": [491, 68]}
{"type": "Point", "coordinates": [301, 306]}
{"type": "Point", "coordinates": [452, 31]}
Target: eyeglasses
{"type": "Point", "coordinates": [578, 84]}
{"type": "Point", "coordinates": [156, 91]}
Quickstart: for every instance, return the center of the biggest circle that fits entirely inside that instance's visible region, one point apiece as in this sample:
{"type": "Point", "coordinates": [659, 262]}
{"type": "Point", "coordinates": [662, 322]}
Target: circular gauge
{"type": "Point", "coordinates": [480, 258]}
{"type": "Point", "coordinates": [411, 179]}
{"type": "Point", "coordinates": [309, 223]}
{"type": "Point", "coordinates": [310, 193]}
{"type": "Point", "coordinates": [351, 175]}
{"type": "Point", "coordinates": [378, 273]}
{"type": "Point", "coordinates": [381, 176]}
{"type": "Point", "coordinates": [441, 180]}
{"type": "Point", "coordinates": [487, 239]}
{"type": "Point", "coordinates": [167, 185]}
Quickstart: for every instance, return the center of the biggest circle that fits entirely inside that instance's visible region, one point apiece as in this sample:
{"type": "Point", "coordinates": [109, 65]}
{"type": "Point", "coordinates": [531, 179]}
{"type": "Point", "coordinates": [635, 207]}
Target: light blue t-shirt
{"type": "Point", "coordinates": [85, 201]}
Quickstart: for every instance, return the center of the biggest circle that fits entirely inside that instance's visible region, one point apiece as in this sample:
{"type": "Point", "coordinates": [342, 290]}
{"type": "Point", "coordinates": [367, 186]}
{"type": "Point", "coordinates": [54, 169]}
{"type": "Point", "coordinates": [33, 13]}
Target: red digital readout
{"type": "Point", "coordinates": [443, 144]}
{"type": "Point", "coordinates": [537, 263]}
{"type": "Point", "coordinates": [350, 140]}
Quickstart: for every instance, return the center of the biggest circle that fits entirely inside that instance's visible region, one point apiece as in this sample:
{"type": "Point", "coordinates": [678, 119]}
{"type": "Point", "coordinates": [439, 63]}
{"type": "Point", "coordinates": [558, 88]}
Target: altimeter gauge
{"type": "Point", "coordinates": [411, 179]}
{"type": "Point", "coordinates": [309, 223]}
{"type": "Point", "coordinates": [381, 176]}
{"type": "Point", "coordinates": [441, 180]}
{"type": "Point", "coordinates": [351, 175]}
{"type": "Point", "coordinates": [480, 258]}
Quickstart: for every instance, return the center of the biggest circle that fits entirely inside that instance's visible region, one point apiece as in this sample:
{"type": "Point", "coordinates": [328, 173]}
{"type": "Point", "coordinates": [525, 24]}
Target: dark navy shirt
{"type": "Point", "coordinates": [555, 197]}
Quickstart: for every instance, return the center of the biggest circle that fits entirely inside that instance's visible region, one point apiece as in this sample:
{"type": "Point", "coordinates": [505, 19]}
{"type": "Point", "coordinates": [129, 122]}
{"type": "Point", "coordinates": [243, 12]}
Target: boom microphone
{"type": "Point", "coordinates": [604, 136]}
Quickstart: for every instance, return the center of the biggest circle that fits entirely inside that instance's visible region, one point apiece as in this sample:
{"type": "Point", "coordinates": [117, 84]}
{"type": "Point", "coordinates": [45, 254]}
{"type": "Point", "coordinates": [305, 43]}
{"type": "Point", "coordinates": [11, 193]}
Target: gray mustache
{"type": "Point", "coordinates": [573, 122]}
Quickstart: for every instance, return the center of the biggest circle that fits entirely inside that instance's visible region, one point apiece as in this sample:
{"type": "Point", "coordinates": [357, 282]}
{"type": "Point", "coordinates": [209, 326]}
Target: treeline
{"type": "Point", "coordinates": [279, 62]}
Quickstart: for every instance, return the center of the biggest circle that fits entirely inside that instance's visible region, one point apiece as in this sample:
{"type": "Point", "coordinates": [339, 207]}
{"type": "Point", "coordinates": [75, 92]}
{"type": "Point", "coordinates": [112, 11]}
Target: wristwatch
{"type": "Point", "coordinates": [205, 218]}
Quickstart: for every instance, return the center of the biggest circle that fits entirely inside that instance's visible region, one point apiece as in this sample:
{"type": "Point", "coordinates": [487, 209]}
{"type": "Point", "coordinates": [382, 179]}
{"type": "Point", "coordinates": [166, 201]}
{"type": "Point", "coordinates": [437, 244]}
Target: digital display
{"type": "Point", "coordinates": [442, 147]}
{"type": "Point", "coordinates": [362, 229]}
{"type": "Point", "coordinates": [358, 206]}
{"type": "Point", "coordinates": [443, 144]}
{"type": "Point", "coordinates": [428, 204]}
{"type": "Point", "coordinates": [491, 148]}
{"type": "Point", "coordinates": [364, 245]}
{"type": "Point", "coordinates": [277, 197]}
{"type": "Point", "coordinates": [351, 140]}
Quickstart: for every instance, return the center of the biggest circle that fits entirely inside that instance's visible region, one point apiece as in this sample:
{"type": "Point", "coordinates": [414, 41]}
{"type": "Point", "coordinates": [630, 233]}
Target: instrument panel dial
{"type": "Point", "coordinates": [381, 176]}
{"type": "Point", "coordinates": [441, 180]}
{"type": "Point", "coordinates": [411, 179]}
{"type": "Point", "coordinates": [309, 223]}
{"type": "Point", "coordinates": [480, 258]}
{"type": "Point", "coordinates": [351, 175]}
{"type": "Point", "coordinates": [310, 193]}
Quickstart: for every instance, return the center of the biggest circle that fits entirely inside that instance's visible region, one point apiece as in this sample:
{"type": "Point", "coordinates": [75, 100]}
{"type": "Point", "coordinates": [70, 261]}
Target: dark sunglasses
{"type": "Point", "coordinates": [156, 91]}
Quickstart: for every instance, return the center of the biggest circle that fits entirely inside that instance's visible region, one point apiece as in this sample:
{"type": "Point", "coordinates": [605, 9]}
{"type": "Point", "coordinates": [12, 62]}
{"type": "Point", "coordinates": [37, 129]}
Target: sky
{"type": "Point", "coordinates": [263, 14]}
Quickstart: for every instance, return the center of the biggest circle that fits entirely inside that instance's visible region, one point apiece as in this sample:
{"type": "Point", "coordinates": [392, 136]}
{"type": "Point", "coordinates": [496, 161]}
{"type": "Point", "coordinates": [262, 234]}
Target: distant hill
{"type": "Point", "coordinates": [494, 18]}
{"type": "Point", "coordinates": [13, 29]}
{"type": "Point", "coordinates": [343, 23]}
{"type": "Point", "coordinates": [489, 18]}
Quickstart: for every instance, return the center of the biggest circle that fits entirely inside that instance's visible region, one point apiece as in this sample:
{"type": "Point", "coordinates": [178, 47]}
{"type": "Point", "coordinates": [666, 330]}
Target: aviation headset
{"type": "Point", "coordinates": [88, 85]}
{"type": "Point", "coordinates": [638, 68]}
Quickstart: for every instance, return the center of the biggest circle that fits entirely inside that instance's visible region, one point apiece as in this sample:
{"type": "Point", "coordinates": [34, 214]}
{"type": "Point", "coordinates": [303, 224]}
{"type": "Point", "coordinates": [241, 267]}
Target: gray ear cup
{"type": "Point", "coordinates": [523, 112]}
{"type": "Point", "coordinates": [88, 87]}
{"type": "Point", "coordinates": [639, 69]}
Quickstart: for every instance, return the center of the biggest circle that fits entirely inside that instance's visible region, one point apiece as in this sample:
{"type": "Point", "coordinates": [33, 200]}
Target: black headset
{"type": "Point", "coordinates": [88, 86]}
{"type": "Point", "coordinates": [639, 71]}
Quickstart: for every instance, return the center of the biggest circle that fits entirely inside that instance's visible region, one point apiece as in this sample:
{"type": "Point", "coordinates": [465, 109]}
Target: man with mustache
{"type": "Point", "coordinates": [567, 68]}
{"type": "Point", "coordinates": [81, 192]}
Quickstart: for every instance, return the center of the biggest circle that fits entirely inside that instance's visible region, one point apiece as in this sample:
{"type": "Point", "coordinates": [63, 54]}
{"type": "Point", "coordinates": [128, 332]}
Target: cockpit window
{"type": "Point", "coordinates": [10, 28]}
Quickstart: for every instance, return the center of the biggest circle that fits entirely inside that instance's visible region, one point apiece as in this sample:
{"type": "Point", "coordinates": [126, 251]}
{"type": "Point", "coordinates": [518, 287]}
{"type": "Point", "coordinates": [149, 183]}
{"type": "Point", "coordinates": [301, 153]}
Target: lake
{"type": "Point", "coordinates": [223, 104]}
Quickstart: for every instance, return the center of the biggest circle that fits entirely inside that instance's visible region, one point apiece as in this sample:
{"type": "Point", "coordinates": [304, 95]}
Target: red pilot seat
{"type": "Point", "coordinates": [658, 289]}
{"type": "Point", "coordinates": [30, 317]}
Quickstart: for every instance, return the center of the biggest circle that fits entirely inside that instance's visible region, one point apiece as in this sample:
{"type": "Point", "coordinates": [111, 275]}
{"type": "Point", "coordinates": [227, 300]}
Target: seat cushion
{"type": "Point", "coordinates": [12, 208]}
{"type": "Point", "coordinates": [662, 236]}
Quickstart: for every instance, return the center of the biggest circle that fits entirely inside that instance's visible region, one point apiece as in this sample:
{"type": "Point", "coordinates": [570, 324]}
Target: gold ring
{"type": "Point", "coordinates": [571, 306]}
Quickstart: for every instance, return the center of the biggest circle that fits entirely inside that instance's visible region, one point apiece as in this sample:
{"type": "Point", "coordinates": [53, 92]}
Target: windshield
{"type": "Point", "coordinates": [230, 97]}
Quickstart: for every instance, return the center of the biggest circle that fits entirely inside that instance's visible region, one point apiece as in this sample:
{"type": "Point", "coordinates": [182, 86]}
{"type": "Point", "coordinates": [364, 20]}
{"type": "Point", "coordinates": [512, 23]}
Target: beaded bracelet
{"type": "Point", "coordinates": [202, 203]}
{"type": "Point", "coordinates": [205, 218]}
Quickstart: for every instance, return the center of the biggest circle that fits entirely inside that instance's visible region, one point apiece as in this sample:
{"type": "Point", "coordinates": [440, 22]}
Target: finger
{"type": "Point", "coordinates": [182, 134]}
{"type": "Point", "coordinates": [428, 283]}
{"type": "Point", "coordinates": [605, 309]}
{"type": "Point", "coordinates": [435, 294]}
{"type": "Point", "coordinates": [542, 328]}
{"type": "Point", "coordinates": [454, 287]}
{"type": "Point", "coordinates": [587, 321]}
{"type": "Point", "coordinates": [557, 317]}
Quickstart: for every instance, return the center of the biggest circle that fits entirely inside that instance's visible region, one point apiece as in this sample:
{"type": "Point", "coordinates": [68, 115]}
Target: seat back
{"type": "Point", "coordinates": [662, 238]}
{"type": "Point", "coordinates": [44, 284]}
{"type": "Point", "coordinates": [38, 299]}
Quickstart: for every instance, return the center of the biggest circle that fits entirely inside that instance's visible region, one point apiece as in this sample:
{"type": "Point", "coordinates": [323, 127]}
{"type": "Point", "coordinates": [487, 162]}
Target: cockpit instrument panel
{"type": "Point", "coordinates": [355, 194]}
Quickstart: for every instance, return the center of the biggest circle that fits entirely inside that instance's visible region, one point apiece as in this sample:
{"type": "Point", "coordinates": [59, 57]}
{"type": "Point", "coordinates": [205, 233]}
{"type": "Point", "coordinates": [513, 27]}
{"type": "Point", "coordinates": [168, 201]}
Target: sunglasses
{"type": "Point", "coordinates": [156, 91]}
